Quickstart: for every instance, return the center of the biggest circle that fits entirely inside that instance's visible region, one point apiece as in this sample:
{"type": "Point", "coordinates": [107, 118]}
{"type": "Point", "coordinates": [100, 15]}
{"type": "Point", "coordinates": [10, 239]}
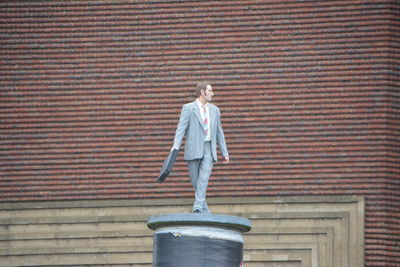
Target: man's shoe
{"type": "Point", "coordinates": [197, 211]}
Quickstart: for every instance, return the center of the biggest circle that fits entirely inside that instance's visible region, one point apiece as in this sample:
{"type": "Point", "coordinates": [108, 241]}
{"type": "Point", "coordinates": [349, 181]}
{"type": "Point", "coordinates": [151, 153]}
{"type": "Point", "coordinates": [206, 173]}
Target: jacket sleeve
{"type": "Point", "coordinates": [182, 126]}
{"type": "Point", "coordinates": [221, 137]}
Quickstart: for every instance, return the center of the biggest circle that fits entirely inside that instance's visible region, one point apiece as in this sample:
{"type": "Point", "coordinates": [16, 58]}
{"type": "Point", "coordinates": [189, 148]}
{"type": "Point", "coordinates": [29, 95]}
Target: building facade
{"type": "Point", "coordinates": [90, 99]}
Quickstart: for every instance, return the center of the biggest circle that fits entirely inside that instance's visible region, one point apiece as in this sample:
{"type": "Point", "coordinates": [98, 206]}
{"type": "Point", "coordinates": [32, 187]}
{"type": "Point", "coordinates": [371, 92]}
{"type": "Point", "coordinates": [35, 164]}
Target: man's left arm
{"type": "Point", "coordinates": [221, 138]}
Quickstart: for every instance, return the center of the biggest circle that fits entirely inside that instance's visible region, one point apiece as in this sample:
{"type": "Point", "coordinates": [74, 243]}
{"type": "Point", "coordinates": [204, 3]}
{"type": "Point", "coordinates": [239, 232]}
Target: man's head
{"type": "Point", "coordinates": [204, 92]}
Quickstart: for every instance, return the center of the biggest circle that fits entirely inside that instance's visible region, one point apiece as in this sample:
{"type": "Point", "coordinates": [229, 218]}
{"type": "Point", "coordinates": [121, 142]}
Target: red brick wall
{"type": "Point", "coordinates": [309, 94]}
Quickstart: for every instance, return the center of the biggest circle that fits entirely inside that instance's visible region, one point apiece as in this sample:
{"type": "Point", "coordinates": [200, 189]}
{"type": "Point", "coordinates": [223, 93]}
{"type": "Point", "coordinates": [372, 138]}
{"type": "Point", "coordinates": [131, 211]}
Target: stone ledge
{"type": "Point", "coordinates": [176, 202]}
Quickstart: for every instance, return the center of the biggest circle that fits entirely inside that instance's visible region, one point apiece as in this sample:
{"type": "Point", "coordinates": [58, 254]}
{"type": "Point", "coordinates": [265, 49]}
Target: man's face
{"type": "Point", "coordinates": [208, 93]}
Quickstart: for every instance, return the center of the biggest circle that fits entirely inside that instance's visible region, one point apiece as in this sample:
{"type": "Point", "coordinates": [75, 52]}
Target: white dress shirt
{"type": "Point", "coordinates": [207, 106]}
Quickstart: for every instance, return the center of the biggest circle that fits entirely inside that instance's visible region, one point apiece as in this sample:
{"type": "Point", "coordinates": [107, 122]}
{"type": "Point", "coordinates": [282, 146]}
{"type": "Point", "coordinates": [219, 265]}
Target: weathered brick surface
{"type": "Point", "coordinates": [91, 93]}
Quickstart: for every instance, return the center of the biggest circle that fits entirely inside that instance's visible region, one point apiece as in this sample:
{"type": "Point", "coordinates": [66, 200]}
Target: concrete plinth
{"type": "Point", "coordinates": [198, 240]}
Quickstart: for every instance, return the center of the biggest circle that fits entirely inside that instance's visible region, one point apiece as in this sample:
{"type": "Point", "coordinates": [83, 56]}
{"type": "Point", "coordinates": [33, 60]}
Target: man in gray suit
{"type": "Point", "coordinates": [201, 124]}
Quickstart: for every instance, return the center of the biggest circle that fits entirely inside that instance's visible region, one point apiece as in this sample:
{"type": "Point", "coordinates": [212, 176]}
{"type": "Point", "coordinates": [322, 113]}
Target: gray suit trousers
{"type": "Point", "coordinates": [200, 171]}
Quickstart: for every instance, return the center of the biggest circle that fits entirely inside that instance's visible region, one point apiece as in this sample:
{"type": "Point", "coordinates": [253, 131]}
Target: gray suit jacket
{"type": "Point", "coordinates": [191, 125]}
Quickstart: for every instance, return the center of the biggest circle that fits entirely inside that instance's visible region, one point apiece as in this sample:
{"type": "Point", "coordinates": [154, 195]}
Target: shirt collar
{"type": "Point", "coordinates": [200, 105]}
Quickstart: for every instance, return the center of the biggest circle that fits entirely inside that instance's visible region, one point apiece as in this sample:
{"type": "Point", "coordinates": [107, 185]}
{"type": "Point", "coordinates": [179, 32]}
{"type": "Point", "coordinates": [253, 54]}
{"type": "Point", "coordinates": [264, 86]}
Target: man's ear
{"type": "Point", "coordinates": [203, 92]}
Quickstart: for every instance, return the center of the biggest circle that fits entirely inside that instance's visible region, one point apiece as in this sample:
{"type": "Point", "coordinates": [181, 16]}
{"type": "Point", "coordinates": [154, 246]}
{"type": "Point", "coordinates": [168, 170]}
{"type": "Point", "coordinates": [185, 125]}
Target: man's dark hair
{"type": "Point", "coordinates": [201, 86]}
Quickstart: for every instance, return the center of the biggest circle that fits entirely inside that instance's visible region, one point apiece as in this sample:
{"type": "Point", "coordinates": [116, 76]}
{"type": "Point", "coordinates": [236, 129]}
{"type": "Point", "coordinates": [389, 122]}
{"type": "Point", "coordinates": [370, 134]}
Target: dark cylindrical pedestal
{"type": "Point", "coordinates": [198, 240]}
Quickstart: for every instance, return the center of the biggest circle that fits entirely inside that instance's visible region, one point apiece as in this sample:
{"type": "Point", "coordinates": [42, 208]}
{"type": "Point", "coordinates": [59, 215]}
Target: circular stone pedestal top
{"type": "Point", "coordinates": [204, 219]}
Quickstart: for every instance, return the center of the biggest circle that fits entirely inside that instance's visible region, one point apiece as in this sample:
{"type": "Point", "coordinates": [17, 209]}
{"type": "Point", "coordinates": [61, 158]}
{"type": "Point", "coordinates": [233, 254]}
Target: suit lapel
{"type": "Point", "coordinates": [196, 111]}
{"type": "Point", "coordinates": [212, 116]}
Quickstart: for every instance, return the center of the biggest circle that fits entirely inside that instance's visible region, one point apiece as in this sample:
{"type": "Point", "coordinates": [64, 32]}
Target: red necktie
{"type": "Point", "coordinates": [205, 121]}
